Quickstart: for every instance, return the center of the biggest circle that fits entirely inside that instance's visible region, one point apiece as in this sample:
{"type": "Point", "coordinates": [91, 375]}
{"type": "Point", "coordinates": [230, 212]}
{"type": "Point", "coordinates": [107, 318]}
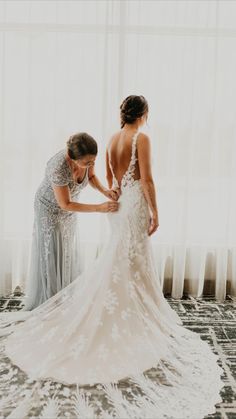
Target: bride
{"type": "Point", "coordinates": [109, 345]}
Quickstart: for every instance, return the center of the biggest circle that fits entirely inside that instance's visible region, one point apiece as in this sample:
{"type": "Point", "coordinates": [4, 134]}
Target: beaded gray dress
{"type": "Point", "coordinates": [55, 261]}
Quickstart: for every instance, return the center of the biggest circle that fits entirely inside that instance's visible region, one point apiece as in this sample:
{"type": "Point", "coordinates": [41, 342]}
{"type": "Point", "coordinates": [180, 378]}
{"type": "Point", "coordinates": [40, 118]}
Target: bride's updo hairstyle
{"type": "Point", "coordinates": [80, 145]}
{"type": "Point", "coordinates": [132, 108]}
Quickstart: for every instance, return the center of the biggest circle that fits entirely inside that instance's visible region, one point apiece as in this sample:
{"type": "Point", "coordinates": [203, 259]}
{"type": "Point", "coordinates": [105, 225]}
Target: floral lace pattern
{"type": "Point", "coordinates": [109, 345]}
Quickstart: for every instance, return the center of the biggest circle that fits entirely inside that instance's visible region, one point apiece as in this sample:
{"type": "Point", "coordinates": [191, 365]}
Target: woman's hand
{"type": "Point", "coordinates": [109, 206]}
{"type": "Point", "coordinates": [113, 194]}
{"type": "Point", "coordinates": [154, 224]}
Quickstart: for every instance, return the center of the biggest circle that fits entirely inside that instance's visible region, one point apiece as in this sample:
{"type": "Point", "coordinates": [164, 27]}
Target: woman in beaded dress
{"type": "Point", "coordinates": [55, 260]}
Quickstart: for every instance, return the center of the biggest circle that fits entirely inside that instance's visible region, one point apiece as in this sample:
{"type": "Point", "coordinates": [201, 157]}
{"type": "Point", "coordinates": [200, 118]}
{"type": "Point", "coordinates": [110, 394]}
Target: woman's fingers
{"type": "Point", "coordinates": [109, 206]}
{"type": "Point", "coordinates": [113, 206]}
{"type": "Point", "coordinates": [117, 192]}
{"type": "Point", "coordinates": [153, 226]}
{"type": "Point", "coordinates": [114, 194]}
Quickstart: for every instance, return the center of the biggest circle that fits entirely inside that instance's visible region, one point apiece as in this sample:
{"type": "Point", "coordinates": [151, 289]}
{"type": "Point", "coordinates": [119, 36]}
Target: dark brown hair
{"type": "Point", "coordinates": [132, 108]}
{"type": "Point", "coordinates": [81, 144]}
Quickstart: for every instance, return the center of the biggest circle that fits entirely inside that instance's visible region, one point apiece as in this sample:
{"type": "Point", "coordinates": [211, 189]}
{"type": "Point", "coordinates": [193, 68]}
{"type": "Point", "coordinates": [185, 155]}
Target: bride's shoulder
{"type": "Point", "coordinates": [113, 137]}
{"type": "Point", "coordinates": [143, 135]}
{"type": "Point", "coordinates": [116, 134]}
{"type": "Point", "coordinates": [143, 139]}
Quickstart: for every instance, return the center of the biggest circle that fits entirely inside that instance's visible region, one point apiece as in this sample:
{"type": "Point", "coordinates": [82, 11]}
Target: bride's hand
{"type": "Point", "coordinates": [154, 224]}
{"type": "Point", "coordinates": [109, 206]}
{"type": "Point", "coordinates": [113, 194]}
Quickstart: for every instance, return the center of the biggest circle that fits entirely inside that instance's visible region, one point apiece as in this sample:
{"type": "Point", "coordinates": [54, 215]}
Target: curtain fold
{"type": "Point", "coordinates": [65, 67]}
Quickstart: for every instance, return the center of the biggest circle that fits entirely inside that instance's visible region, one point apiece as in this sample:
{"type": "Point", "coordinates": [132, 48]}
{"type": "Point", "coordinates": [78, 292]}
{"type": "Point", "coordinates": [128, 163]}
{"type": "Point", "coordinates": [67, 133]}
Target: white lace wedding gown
{"type": "Point", "coordinates": [112, 333]}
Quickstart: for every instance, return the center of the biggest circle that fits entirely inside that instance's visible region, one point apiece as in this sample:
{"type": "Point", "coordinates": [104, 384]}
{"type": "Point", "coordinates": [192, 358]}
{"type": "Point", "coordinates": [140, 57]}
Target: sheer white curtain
{"type": "Point", "coordinates": [65, 67]}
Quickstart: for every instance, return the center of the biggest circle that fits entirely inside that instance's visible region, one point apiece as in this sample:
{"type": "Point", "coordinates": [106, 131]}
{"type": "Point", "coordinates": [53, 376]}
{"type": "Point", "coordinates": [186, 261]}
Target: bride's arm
{"type": "Point", "coordinates": [109, 175]}
{"type": "Point", "coordinates": [144, 159]}
{"type": "Point", "coordinates": [108, 170]}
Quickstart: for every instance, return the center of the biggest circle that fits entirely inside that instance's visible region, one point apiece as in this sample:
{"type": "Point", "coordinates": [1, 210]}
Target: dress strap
{"type": "Point", "coordinates": [128, 177]}
{"type": "Point", "coordinates": [133, 154]}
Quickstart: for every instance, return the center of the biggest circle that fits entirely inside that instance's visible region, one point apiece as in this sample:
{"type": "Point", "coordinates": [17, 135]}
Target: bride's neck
{"type": "Point", "coordinates": [131, 127]}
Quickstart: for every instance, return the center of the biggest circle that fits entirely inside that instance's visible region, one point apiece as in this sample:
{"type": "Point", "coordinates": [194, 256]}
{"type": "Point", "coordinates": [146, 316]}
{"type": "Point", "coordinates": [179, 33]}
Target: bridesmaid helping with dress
{"type": "Point", "coordinates": [55, 261]}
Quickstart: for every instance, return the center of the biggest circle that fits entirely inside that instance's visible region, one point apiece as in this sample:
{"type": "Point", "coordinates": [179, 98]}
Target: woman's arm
{"type": "Point", "coordinates": [144, 159]}
{"type": "Point", "coordinates": [62, 194]}
{"type": "Point", "coordinates": [96, 184]}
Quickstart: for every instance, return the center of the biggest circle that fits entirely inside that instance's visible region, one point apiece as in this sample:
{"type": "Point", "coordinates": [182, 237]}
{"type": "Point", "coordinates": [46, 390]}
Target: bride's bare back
{"type": "Point", "coordinates": [120, 151]}
{"type": "Point", "coordinates": [118, 160]}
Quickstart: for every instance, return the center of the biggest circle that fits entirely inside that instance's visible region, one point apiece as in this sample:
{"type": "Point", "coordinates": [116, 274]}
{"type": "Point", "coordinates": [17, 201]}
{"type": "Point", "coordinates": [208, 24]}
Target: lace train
{"type": "Point", "coordinates": [185, 386]}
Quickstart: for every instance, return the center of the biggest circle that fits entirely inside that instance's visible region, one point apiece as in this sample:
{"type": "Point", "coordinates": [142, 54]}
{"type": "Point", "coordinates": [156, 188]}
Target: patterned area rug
{"type": "Point", "coordinates": [214, 321]}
